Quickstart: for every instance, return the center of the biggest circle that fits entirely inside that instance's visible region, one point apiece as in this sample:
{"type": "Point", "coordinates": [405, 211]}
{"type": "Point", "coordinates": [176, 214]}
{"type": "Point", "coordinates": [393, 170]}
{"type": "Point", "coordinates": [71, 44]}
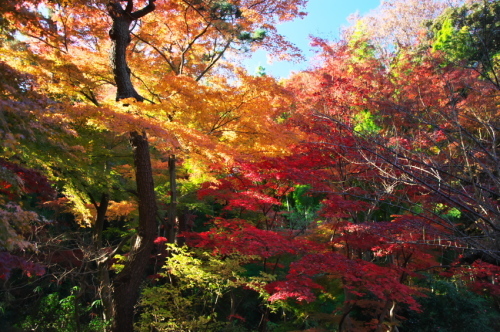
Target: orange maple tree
{"type": "Point", "coordinates": [62, 47]}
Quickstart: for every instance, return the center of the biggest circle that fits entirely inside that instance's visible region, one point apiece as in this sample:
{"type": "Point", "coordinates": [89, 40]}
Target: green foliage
{"type": "Point", "coordinates": [75, 158]}
{"type": "Point", "coordinates": [225, 10]}
{"type": "Point", "coordinates": [365, 123]}
{"type": "Point", "coordinates": [192, 301]}
{"type": "Point", "coordinates": [171, 308]}
{"type": "Point", "coordinates": [360, 43]}
{"type": "Point", "coordinates": [450, 308]}
{"type": "Point", "coordinates": [302, 207]}
{"type": "Point", "coordinates": [260, 71]}
{"type": "Point", "coordinates": [470, 33]}
{"type": "Point", "coordinates": [447, 212]}
{"type": "Point", "coordinates": [457, 44]}
{"type": "Point", "coordinates": [201, 269]}
{"type": "Point", "coordinates": [62, 314]}
{"type": "Point", "coordinates": [249, 37]}
{"type": "Point", "coordinates": [309, 315]}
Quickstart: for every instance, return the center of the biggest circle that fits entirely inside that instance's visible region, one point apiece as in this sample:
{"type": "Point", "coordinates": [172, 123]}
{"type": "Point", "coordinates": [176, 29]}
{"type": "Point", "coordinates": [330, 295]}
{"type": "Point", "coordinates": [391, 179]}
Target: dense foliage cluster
{"type": "Point", "coordinates": [360, 195]}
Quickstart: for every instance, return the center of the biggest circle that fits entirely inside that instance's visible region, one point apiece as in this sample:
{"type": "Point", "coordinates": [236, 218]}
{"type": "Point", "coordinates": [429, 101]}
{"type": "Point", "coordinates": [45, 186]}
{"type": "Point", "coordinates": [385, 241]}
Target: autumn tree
{"type": "Point", "coordinates": [396, 24]}
{"type": "Point", "coordinates": [358, 182]}
{"type": "Point", "coordinates": [402, 159]}
{"type": "Point", "coordinates": [468, 36]}
{"type": "Point", "coordinates": [422, 152]}
{"type": "Point", "coordinates": [126, 286]}
{"type": "Point", "coordinates": [61, 47]}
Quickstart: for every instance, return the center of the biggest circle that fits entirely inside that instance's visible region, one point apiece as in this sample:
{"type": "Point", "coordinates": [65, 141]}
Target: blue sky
{"type": "Point", "coordinates": [324, 19]}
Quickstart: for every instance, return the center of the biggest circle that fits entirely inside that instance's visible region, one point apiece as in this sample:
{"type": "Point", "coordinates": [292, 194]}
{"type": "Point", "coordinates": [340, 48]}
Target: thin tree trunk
{"type": "Point", "coordinates": [101, 209]}
{"type": "Point", "coordinates": [102, 258]}
{"type": "Point", "coordinates": [172, 209]}
{"type": "Point", "coordinates": [106, 291]}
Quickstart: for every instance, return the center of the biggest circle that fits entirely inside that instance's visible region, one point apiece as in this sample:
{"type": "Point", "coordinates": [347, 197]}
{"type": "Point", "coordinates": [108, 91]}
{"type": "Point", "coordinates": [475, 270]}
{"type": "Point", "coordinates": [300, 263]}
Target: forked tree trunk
{"type": "Point", "coordinates": [120, 34]}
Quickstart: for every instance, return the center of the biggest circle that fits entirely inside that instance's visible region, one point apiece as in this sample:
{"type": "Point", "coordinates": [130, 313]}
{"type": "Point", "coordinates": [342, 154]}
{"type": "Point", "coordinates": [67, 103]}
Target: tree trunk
{"type": "Point", "coordinates": [121, 39]}
{"type": "Point", "coordinates": [102, 258]}
{"type": "Point", "coordinates": [127, 283]}
{"type": "Point", "coordinates": [126, 286]}
{"type": "Point", "coordinates": [172, 225]}
{"type": "Point", "coordinates": [120, 34]}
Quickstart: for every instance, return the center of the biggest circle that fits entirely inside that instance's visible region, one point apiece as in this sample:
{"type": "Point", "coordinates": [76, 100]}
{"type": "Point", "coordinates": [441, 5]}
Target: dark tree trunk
{"type": "Point", "coordinates": [101, 209]}
{"type": "Point", "coordinates": [121, 71]}
{"type": "Point", "coordinates": [172, 228]}
{"type": "Point", "coordinates": [120, 34]}
{"type": "Point", "coordinates": [102, 258]}
{"type": "Point", "coordinates": [127, 284]}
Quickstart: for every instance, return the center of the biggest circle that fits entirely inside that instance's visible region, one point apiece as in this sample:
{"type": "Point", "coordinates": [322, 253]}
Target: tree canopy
{"type": "Point", "coordinates": [149, 182]}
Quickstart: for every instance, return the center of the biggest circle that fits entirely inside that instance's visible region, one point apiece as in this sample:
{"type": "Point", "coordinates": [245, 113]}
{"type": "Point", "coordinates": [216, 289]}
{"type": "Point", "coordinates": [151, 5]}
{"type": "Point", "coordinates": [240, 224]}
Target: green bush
{"type": "Point", "coordinates": [449, 308]}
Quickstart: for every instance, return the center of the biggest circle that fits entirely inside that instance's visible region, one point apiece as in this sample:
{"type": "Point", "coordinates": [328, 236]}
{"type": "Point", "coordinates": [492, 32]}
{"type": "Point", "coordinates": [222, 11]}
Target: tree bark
{"type": "Point", "coordinates": [102, 258]}
{"type": "Point", "coordinates": [120, 34]}
{"type": "Point", "coordinates": [101, 209]}
{"type": "Point", "coordinates": [127, 284]}
{"type": "Point", "coordinates": [172, 223]}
